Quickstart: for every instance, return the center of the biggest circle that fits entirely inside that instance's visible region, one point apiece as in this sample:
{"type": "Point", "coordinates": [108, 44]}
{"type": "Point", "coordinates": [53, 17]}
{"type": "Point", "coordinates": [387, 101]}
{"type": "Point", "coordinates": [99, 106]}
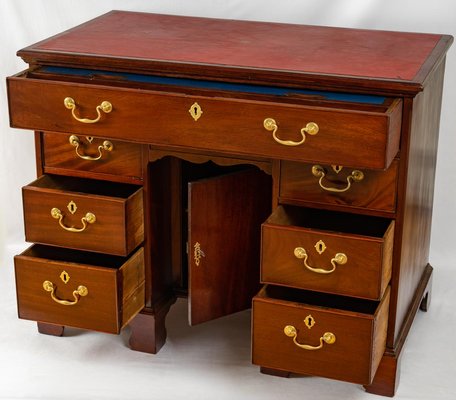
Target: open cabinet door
{"type": "Point", "coordinates": [225, 214]}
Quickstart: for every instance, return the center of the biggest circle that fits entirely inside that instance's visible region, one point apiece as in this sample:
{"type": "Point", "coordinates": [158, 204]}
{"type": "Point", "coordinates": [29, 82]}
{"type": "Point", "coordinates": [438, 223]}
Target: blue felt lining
{"type": "Point", "coordinates": [233, 87]}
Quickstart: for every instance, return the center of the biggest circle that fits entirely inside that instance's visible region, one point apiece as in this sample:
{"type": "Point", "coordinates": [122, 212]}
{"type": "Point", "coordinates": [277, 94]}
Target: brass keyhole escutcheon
{"type": "Point", "coordinates": [195, 111]}
{"type": "Point", "coordinates": [337, 168]}
{"type": "Point", "coordinates": [320, 246]}
{"type": "Point", "coordinates": [198, 253]}
{"type": "Point", "coordinates": [65, 277]}
{"type": "Point", "coordinates": [309, 321]}
{"type": "Point", "coordinates": [72, 207]}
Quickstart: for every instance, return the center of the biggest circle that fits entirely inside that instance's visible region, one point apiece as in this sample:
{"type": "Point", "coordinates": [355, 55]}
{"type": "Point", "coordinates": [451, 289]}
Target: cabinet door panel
{"type": "Point", "coordinates": [225, 214]}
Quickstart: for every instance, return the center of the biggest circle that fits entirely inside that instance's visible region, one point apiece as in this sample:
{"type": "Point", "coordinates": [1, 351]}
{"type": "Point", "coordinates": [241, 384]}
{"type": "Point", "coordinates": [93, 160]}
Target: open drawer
{"type": "Point", "coordinates": [84, 214]}
{"type": "Point", "coordinates": [251, 120]}
{"type": "Point", "coordinates": [327, 251]}
{"type": "Point", "coordinates": [315, 334]}
{"type": "Point", "coordinates": [79, 289]}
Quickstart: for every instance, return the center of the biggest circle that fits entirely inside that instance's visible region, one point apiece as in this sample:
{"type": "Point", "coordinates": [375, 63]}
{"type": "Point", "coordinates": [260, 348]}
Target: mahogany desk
{"type": "Point", "coordinates": [228, 161]}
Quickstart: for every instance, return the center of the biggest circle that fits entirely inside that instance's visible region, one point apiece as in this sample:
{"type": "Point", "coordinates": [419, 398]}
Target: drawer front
{"type": "Point", "coordinates": [348, 137]}
{"type": "Point", "coordinates": [351, 350]}
{"type": "Point", "coordinates": [57, 212]}
{"type": "Point", "coordinates": [86, 156]}
{"type": "Point", "coordinates": [349, 187]}
{"type": "Point", "coordinates": [331, 262]}
{"type": "Point", "coordinates": [56, 290]}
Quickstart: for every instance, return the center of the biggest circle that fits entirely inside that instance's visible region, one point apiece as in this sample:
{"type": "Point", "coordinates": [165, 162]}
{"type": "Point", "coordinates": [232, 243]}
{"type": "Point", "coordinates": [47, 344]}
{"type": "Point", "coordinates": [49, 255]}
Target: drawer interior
{"type": "Point", "coordinates": [322, 300]}
{"type": "Point", "coordinates": [330, 221]}
{"type": "Point", "coordinates": [86, 186]}
{"type": "Point", "coordinates": [75, 256]}
{"type": "Point", "coordinates": [345, 100]}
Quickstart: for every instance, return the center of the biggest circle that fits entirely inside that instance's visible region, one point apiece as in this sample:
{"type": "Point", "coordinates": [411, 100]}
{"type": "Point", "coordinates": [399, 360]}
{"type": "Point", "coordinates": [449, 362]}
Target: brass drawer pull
{"type": "Point", "coordinates": [89, 218]}
{"type": "Point", "coordinates": [81, 291]}
{"type": "Point", "coordinates": [328, 338]}
{"type": "Point", "coordinates": [105, 106]}
{"type": "Point", "coordinates": [339, 258]}
{"type": "Point", "coordinates": [319, 172]}
{"type": "Point", "coordinates": [76, 142]}
{"type": "Point", "coordinates": [270, 125]}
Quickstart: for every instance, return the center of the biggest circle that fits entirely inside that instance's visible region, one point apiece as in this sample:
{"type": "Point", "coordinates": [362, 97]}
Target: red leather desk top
{"type": "Point", "coordinates": [242, 50]}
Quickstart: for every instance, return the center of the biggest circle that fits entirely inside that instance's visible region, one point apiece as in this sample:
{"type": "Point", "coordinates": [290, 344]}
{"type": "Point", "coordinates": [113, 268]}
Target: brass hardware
{"type": "Point", "coordinates": [270, 125]}
{"type": "Point", "coordinates": [337, 168]}
{"type": "Point", "coordinates": [89, 218]}
{"type": "Point", "coordinates": [328, 338]}
{"type": "Point", "coordinates": [76, 142]}
{"type": "Point", "coordinates": [320, 246]}
{"type": "Point", "coordinates": [65, 277]}
{"type": "Point", "coordinates": [319, 172]}
{"type": "Point", "coordinates": [195, 111]}
{"type": "Point", "coordinates": [81, 291]}
{"type": "Point", "coordinates": [89, 139]}
{"type": "Point", "coordinates": [339, 258]}
{"type": "Point", "coordinates": [72, 207]}
{"type": "Point", "coordinates": [309, 321]}
{"type": "Point", "coordinates": [105, 106]}
{"type": "Point", "coordinates": [198, 253]}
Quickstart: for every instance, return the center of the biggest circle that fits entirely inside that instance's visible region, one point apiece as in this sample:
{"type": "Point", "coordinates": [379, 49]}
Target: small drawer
{"type": "Point", "coordinates": [84, 214]}
{"type": "Point", "coordinates": [339, 186]}
{"type": "Point", "coordinates": [321, 335]}
{"type": "Point", "coordinates": [330, 252]}
{"type": "Point", "coordinates": [86, 156]}
{"type": "Point", "coordinates": [79, 289]}
{"type": "Point", "coordinates": [333, 132]}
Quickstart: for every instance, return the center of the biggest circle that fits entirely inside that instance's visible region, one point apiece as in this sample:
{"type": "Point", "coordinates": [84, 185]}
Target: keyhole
{"type": "Point", "coordinates": [195, 111]}
{"type": "Point", "coordinates": [65, 277]}
{"type": "Point", "coordinates": [72, 207]}
{"type": "Point", "coordinates": [309, 321]}
{"type": "Point", "coordinates": [337, 168]}
{"type": "Point", "coordinates": [320, 246]}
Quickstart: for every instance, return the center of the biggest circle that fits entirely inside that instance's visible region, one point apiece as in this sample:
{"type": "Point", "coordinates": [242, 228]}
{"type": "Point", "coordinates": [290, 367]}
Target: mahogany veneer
{"type": "Point", "coordinates": [203, 114]}
{"type": "Point", "coordinates": [115, 288]}
{"type": "Point", "coordinates": [366, 242]}
{"type": "Point", "coordinates": [376, 192]}
{"type": "Point", "coordinates": [370, 139]}
{"type": "Point", "coordinates": [359, 330]}
{"type": "Point", "coordinates": [123, 163]}
{"type": "Point", "coordinates": [118, 227]}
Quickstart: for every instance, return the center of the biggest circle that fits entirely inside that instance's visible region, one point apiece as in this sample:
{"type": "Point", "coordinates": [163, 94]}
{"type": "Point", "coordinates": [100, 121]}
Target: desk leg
{"type": "Point", "coordinates": [275, 372]}
{"type": "Point", "coordinates": [386, 379]}
{"type": "Point", "coordinates": [148, 330]}
{"type": "Point", "coordinates": [50, 329]}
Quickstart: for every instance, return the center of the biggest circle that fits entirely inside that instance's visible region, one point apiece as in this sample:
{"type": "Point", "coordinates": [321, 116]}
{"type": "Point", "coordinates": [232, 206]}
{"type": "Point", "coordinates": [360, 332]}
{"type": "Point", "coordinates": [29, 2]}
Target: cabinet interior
{"type": "Point", "coordinates": [170, 178]}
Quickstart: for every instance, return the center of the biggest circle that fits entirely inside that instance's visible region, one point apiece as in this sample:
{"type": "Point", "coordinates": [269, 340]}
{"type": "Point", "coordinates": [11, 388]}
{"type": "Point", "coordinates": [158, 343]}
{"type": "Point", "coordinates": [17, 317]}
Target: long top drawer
{"type": "Point", "coordinates": [332, 133]}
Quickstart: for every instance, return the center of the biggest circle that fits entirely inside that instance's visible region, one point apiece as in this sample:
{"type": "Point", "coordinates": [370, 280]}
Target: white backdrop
{"type": "Point", "coordinates": [99, 366]}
